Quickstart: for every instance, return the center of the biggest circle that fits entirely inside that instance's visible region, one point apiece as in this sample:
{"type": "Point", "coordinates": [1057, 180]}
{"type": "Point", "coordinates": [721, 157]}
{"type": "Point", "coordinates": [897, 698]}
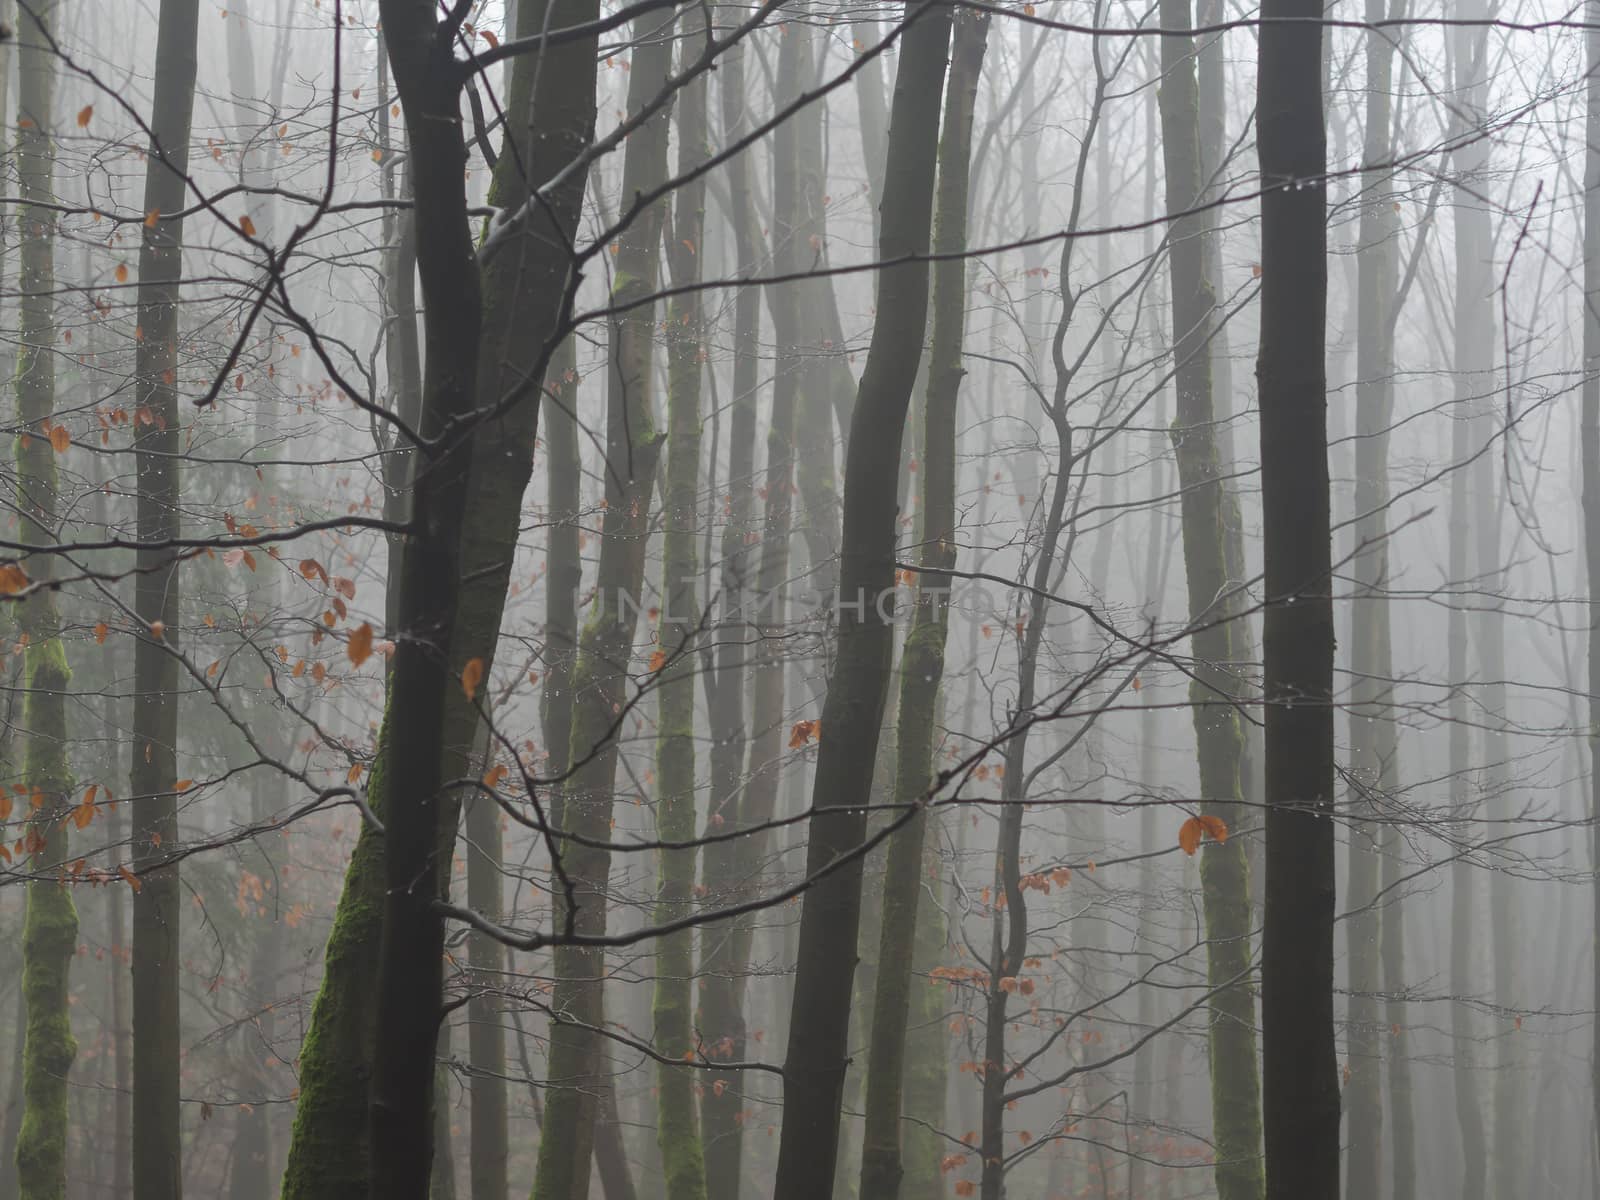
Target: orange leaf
{"type": "Point", "coordinates": [122, 272]}
{"type": "Point", "coordinates": [496, 773]}
{"type": "Point", "coordinates": [471, 677]}
{"type": "Point", "coordinates": [151, 217]}
{"type": "Point", "coordinates": [1214, 826]}
{"type": "Point", "coordinates": [354, 773]}
{"type": "Point", "coordinates": [658, 660]}
{"type": "Point", "coordinates": [100, 631]}
{"type": "Point", "coordinates": [84, 114]}
{"type": "Point", "coordinates": [489, 37]}
{"type": "Point", "coordinates": [803, 732]}
{"type": "Point", "coordinates": [247, 226]}
{"type": "Point", "coordinates": [133, 880]}
{"type": "Point", "coordinates": [359, 647]}
{"type": "Point", "coordinates": [13, 579]}
{"type": "Point", "coordinates": [5, 807]}
{"type": "Point", "coordinates": [1189, 835]}
{"type": "Point", "coordinates": [60, 439]}
{"type": "Point", "coordinates": [82, 815]}
{"type": "Point", "coordinates": [965, 1187]}
{"type": "Point", "coordinates": [183, 785]}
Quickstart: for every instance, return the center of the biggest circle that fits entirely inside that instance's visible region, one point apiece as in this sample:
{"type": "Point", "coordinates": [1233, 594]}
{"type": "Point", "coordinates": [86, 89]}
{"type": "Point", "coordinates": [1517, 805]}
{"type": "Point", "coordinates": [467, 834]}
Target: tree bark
{"type": "Point", "coordinates": [922, 663]}
{"type": "Point", "coordinates": [583, 803]}
{"type": "Point", "coordinates": [486, 1038]}
{"type": "Point", "coordinates": [815, 1061]}
{"type": "Point", "coordinates": [1590, 438]}
{"type": "Point", "coordinates": [524, 290]}
{"type": "Point", "coordinates": [409, 978]}
{"type": "Point", "coordinates": [50, 927]}
{"type": "Point", "coordinates": [158, 447]}
{"type": "Point", "coordinates": [726, 863]}
{"type": "Point", "coordinates": [677, 1124]}
{"type": "Point", "coordinates": [1373, 743]}
{"type": "Point", "coordinates": [1216, 685]}
{"type": "Point", "coordinates": [1473, 354]}
{"type": "Point", "coordinates": [1300, 1091]}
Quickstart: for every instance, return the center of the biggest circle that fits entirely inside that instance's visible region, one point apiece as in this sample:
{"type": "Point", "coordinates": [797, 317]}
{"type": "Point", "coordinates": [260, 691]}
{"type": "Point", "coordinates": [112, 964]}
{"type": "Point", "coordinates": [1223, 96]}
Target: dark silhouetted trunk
{"type": "Point", "coordinates": [815, 1062]}
{"type": "Point", "coordinates": [1300, 1093]}
{"type": "Point", "coordinates": [922, 662]}
{"type": "Point", "coordinates": [158, 904]}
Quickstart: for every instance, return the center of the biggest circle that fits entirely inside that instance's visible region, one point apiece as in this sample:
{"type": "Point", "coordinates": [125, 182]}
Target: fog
{"type": "Point", "coordinates": [683, 601]}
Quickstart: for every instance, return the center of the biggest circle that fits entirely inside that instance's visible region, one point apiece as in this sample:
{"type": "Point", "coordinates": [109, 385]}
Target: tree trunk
{"type": "Point", "coordinates": [1591, 490]}
{"type": "Point", "coordinates": [726, 863]}
{"type": "Point", "coordinates": [486, 1038]}
{"type": "Point", "coordinates": [1373, 744]}
{"type": "Point", "coordinates": [524, 289]}
{"type": "Point", "coordinates": [677, 1126]}
{"type": "Point", "coordinates": [582, 804]}
{"type": "Point", "coordinates": [1473, 353]}
{"type": "Point", "coordinates": [158, 904]}
{"type": "Point", "coordinates": [1300, 1079]}
{"type": "Point", "coordinates": [815, 1062]}
{"type": "Point", "coordinates": [1216, 686]}
{"type": "Point", "coordinates": [50, 928]}
{"type": "Point", "coordinates": [409, 978]}
{"type": "Point", "coordinates": [922, 664]}
{"type": "Point", "coordinates": [11, 1124]}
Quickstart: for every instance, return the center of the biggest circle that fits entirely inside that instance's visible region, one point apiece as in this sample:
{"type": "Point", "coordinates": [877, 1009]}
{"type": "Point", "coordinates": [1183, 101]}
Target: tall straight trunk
{"type": "Point", "coordinates": [50, 927]}
{"type": "Point", "coordinates": [1507, 1154]}
{"type": "Point", "coordinates": [250, 1176]}
{"type": "Point", "coordinates": [922, 662]}
{"type": "Point", "coordinates": [872, 112]}
{"type": "Point", "coordinates": [815, 1061]}
{"type": "Point", "coordinates": [726, 863]}
{"type": "Point", "coordinates": [158, 904]}
{"type": "Point", "coordinates": [1372, 737]}
{"type": "Point", "coordinates": [442, 1173]}
{"type": "Point", "coordinates": [121, 1034]}
{"type": "Point", "coordinates": [1211, 76]}
{"type": "Point", "coordinates": [409, 980]}
{"type": "Point", "coordinates": [677, 1126]}
{"type": "Point", "coordinates": [486, 1038]}
{"type": "Point", "coordinates": [1473, 353]}
{"type": "Point", "coordinates": [1216, 686]}
{"type": "Point", "coordinates": [1300, 1092]}
{"type": "Point", "coordinates": [583, 803]}
{"type": "Point", "coordinates": [767, 610]}
{"type": "Point", "coordinates": [1474, 376]}
{"type": "Point", "coordinates": [565, 575]}
{"type": "Point", "coordinates": [1590, 437]}
{"type": "Point", "coordinates": [11, 1123]}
